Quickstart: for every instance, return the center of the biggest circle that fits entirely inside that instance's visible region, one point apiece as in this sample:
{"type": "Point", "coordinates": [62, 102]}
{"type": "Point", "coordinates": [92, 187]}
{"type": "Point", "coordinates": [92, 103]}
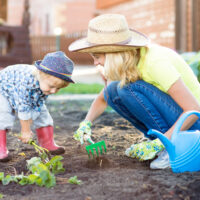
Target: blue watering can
{"type": "Point", "coordinates": [184, 146]}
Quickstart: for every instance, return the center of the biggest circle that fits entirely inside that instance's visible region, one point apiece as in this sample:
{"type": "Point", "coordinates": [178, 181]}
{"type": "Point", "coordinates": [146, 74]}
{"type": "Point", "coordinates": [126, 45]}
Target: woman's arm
{"type": "Point", "coordinates": [186, 100]}
{"type": "Point", "coordinates": [97, 108]}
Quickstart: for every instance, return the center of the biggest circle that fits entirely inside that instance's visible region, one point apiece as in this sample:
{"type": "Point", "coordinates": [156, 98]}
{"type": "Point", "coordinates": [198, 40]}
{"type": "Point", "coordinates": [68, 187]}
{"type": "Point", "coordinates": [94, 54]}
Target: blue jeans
{"type": "Point", "coordinates": [144, 105]}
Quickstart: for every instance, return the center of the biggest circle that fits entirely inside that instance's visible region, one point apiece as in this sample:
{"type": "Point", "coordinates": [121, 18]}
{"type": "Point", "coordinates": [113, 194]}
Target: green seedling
{"type": "Point", "coordinates": [74, 180]}
{"type": "Point", "coordinates": [98, 147]}
{"type": "Point", "coordinates": [43, 153]}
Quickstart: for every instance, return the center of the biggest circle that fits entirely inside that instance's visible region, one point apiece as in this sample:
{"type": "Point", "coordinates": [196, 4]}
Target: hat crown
{"type": "Point", "coordinates": [56, 64]}
{"type": "Point", "coordinates": [108, 29]}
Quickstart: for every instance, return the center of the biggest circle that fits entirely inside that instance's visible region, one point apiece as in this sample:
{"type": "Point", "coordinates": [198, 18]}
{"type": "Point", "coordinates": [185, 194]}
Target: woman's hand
{"type": "Point", "coordinates": [83, 130]}
{"type": "Point", "coordinates": [25, 137]}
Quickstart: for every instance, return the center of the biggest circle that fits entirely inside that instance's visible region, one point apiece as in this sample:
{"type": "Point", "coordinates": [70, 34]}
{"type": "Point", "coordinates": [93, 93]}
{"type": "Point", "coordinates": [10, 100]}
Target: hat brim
{"type": "Point", "coordinates": [65, 78]}
{"type": "Point", "coordinates": [82, 45]}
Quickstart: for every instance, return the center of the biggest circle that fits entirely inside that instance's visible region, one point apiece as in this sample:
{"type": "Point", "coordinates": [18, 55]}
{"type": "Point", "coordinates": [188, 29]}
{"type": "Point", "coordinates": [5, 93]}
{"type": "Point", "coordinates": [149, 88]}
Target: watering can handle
{"type": "Point", "coordinates": [183, 118]}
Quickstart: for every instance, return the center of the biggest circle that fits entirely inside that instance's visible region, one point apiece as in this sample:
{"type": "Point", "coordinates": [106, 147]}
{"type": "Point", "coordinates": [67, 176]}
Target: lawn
{"type": "Point", "coordinates": [81, 88]}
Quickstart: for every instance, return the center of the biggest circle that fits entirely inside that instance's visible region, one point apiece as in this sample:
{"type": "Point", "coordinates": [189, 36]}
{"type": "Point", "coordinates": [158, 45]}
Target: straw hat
{"type": "Point", "coordinates": [109, 33]}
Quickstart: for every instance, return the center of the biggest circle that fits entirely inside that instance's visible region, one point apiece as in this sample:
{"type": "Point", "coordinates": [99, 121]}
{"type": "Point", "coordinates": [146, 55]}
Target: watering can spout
{"type": "Point", "coordinates": [166, 142]}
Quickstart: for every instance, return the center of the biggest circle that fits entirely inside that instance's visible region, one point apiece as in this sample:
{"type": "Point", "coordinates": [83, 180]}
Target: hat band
{"type": "Point", "coordinates": [118, 43]}
{"type": "Point", "coordinates": [107, 31]}
{"type": "Point", "coordinates": [44, 67]}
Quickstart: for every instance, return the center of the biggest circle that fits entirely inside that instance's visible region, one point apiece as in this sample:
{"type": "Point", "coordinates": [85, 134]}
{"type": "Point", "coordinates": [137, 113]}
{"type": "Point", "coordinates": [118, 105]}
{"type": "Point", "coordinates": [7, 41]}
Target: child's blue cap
{"type": "Point", "coordinates": [57, 64]}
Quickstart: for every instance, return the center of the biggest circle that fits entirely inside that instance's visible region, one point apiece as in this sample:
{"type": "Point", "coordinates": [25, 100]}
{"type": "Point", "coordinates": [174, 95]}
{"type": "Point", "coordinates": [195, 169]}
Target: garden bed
{"type": "Point", "coordinates": [112, 176]}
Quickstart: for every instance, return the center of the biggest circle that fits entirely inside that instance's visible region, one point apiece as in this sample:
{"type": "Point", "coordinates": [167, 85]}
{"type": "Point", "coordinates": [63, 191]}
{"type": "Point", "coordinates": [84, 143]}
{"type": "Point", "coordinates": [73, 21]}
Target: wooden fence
{"type": "Point", "coordinates": [41, 45]}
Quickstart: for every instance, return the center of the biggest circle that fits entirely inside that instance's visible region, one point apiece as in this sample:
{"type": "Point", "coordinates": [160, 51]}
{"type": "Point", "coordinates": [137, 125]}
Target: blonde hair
{"type": "Point", "coordinates": [40, 75]}
{"type": "Point", "coordinates": [122, 66]}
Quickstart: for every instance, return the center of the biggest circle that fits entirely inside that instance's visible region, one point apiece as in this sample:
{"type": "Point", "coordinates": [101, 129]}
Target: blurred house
{"type": "Point", "coordinates": [54, 24]}
{"type": "Point", "coordinates": [173, 23]}
{"type": "Point", "coordinates": [14, 37]}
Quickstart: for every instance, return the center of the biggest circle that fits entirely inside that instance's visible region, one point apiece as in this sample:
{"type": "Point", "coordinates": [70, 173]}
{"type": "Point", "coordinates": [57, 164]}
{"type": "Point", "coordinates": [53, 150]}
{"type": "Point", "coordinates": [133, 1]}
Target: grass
{"type": "Point", "coordinates": [81, 88]}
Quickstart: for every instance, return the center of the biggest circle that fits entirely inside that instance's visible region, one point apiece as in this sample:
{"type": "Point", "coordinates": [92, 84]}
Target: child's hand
{"type": "Point", "coordinates": [25, 137]}
{"type": "Point", "coordinates": [84, 129]}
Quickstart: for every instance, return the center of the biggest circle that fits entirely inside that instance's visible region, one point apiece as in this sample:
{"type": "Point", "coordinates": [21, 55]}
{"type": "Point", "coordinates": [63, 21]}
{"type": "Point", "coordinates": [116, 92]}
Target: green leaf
{"type": "Point", "coordinates": [51, 181]}
{"type": "Point", "coordinates": [31, 179]}
{"type": "Point", "coordinates": [38, 181]}
{"type": "Point", "coordinates": [55, 165]}
{"type": "Point", "coordinates": [1, 195]}
{"type": "Point", "coordinates": [6, 180]}
{"type": "Point", "coordinates": [74, 180]}
{"type": "Point", "coordinates": [24, 181]}
{"type": "Point", "coordinates": [1, 176]}
{"type": "Point", "coordinates": [33, 162]}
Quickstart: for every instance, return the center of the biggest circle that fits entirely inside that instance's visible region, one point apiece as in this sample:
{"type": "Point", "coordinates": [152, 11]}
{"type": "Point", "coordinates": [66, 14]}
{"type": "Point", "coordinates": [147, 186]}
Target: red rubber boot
{"type": "Point", "coordinates": [46, 140]}
{"type": "Point", "coordinates": [3, 148]}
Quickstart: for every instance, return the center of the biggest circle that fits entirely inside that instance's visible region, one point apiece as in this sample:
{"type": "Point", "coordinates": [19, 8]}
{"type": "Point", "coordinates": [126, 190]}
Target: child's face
{"type": "Point", "coordinates": [50, 85]}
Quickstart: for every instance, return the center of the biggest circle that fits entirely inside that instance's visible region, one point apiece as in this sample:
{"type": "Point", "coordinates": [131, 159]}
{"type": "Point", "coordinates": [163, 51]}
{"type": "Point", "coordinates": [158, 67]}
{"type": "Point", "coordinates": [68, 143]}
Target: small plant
{"type": "Point", "coordinates": [42, 152]}
{"type": "Point", "coordinates": [41, 174]}
{"type": "Point", "coordinates": [41, 170]}
{"type": "Point", "coordinates": [74, 180]}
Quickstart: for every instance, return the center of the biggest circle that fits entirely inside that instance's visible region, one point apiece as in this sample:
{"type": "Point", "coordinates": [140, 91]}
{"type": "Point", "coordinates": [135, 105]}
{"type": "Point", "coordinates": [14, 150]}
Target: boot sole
{"type": "Point", "coordinates": [57, 151]}
{"type": "Point", "coordinates": [6, 159]}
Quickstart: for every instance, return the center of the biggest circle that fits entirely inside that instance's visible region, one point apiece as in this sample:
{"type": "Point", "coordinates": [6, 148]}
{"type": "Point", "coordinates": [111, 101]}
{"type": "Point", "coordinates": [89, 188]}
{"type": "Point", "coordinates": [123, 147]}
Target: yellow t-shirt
{"type": "Point", "coordinates": [162, 67]}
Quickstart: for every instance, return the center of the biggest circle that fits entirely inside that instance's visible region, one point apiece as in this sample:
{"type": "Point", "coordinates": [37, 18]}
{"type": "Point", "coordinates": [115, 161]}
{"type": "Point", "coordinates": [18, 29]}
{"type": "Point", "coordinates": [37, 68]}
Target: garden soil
{"type": "Point", "coordinates": [112, 176]}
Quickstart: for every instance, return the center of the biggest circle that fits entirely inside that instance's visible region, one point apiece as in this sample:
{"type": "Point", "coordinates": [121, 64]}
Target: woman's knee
{"type": "Point", "coordinates": [129, 90]}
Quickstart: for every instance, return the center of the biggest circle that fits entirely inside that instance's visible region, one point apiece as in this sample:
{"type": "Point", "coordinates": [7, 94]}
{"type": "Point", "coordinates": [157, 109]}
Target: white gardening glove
{"type": "Point", "coordinates": [83, 132]}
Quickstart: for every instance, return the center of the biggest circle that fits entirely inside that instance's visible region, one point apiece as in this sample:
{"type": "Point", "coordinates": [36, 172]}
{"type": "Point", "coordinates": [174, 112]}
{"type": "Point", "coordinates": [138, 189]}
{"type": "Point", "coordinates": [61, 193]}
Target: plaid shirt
{"type": "Point", "coordinates": [22, 89]}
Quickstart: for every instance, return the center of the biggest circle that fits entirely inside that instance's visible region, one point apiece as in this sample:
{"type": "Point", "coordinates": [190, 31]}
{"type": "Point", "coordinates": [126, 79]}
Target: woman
{"type": "Point", "coordinates": [149, 85]}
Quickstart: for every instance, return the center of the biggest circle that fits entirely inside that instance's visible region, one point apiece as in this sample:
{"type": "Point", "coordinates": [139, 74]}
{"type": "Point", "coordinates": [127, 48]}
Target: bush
{"type": "Point", "coordinates": [193, 59]}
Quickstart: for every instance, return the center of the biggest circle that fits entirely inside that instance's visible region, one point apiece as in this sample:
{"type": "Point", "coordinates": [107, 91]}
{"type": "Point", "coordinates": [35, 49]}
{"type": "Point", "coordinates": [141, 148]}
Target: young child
{"type": "Point", "coordinates": [23, 90]}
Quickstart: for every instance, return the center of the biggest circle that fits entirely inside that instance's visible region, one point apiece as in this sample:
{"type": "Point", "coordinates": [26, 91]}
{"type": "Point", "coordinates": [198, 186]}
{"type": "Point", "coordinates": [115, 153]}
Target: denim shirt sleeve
{"type": "Point", "coordinates": [29, 103]}
{"type": "Point", "coordinates": [22, 90]}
